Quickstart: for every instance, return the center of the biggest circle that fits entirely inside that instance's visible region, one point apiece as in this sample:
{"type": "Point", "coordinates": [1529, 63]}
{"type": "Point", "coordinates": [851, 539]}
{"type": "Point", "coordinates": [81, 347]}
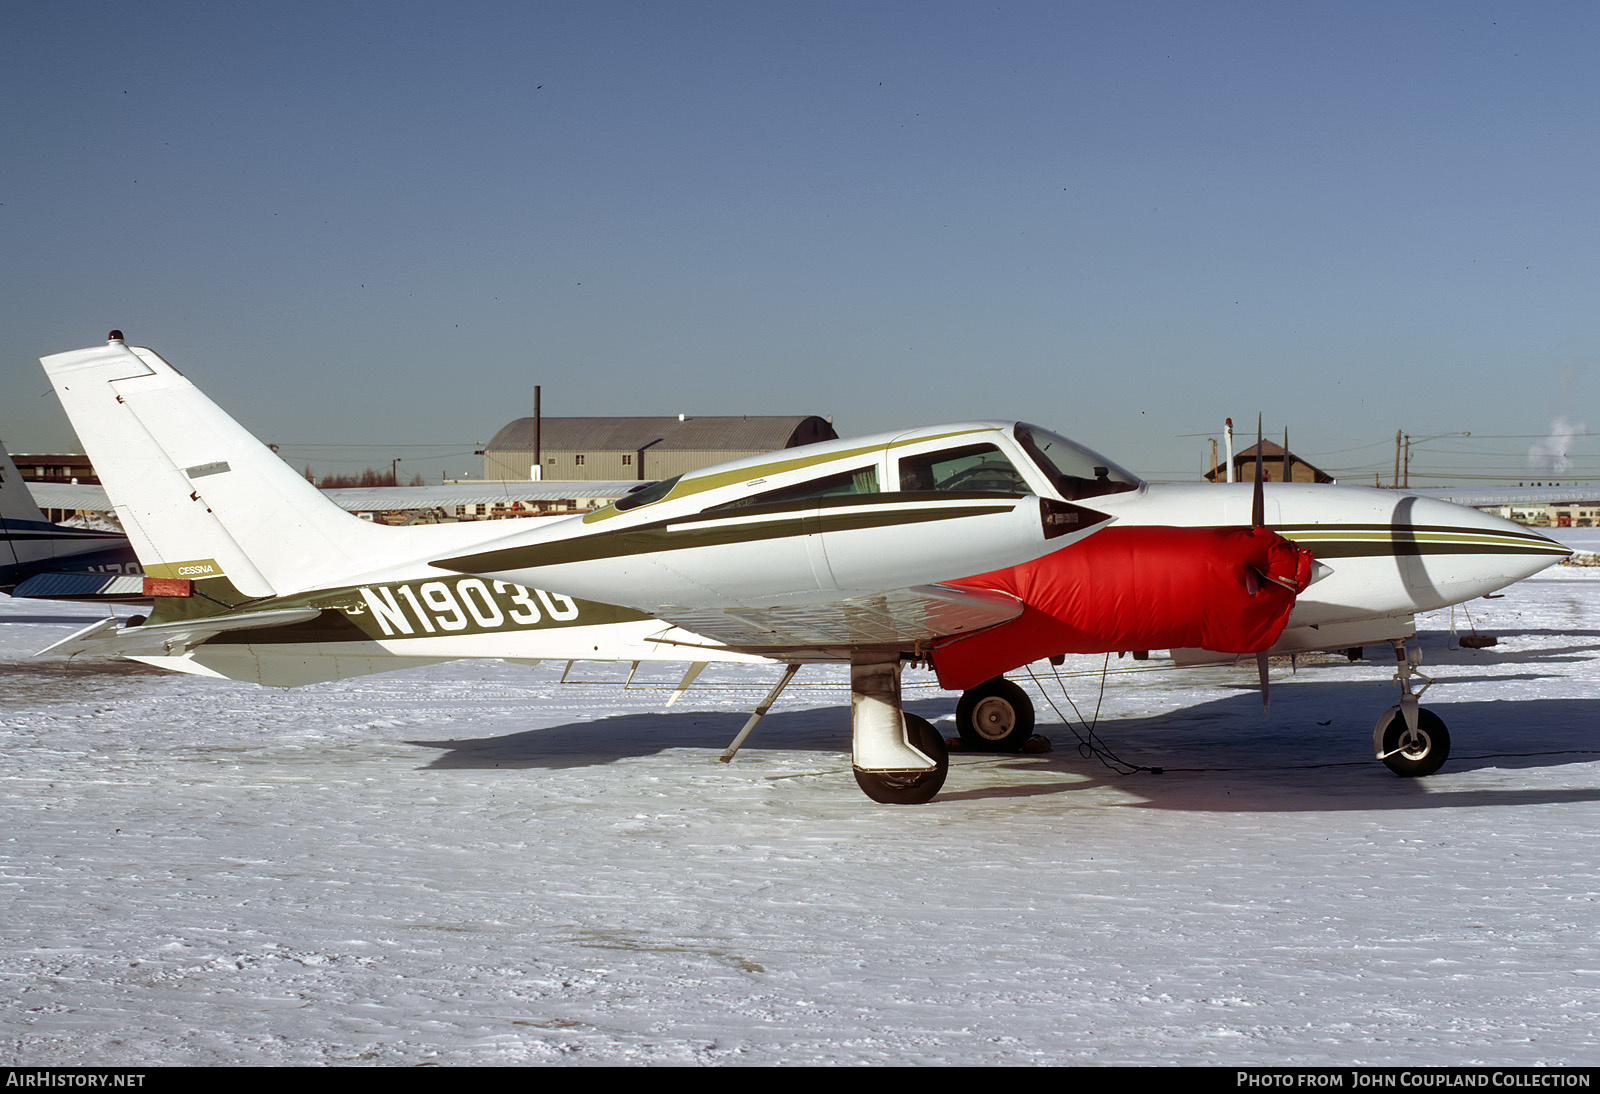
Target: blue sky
{"type": "Point", "coordinates": [383, 224]}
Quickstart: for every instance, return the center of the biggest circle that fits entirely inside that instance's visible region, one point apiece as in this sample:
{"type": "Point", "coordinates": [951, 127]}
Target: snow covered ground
{"type": "Point", "coordinates": [475, 864]}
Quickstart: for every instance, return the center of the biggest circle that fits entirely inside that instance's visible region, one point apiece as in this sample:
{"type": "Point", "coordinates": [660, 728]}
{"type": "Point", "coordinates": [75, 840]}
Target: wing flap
{"type": "Point", "coordinates": [900, 617]}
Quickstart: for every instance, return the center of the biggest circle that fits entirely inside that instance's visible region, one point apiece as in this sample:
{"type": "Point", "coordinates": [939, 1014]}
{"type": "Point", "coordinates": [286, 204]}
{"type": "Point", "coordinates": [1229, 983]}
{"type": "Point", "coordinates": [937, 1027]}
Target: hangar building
{"type": "Point", "coordinates": [1275, 462]}
{"type": "Point", "coordinates": [639, 448]}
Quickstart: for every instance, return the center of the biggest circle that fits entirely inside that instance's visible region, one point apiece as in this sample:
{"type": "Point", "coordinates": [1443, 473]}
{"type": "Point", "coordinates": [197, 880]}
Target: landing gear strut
{"type": "Point", "coordinates": [899, 759]}
{"type": "Point", "coordinates": [910, 787]}
{"type": "Point", "coordinates": [1410, 741]}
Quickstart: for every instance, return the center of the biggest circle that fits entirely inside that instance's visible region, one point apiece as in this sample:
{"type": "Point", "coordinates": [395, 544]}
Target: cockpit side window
{"type": "Point", "coordinates": [1074, 470]}
{"type": "Point", "coordinates": [863, 480]}
{"type": "Point", "coordinates": [975, 468]}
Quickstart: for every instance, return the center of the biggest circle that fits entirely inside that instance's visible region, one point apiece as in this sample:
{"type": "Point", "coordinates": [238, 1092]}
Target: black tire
{"type": "Point", "coordinates": [909, 787]}
{"type": "Point", "coordinates": [1422, 756]}
{"type": "Point", "coordinates": [995, 716]}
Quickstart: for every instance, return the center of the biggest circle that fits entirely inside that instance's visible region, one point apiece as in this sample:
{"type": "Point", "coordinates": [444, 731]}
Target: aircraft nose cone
{"type": "Point", "coordinates": [1449, 553]}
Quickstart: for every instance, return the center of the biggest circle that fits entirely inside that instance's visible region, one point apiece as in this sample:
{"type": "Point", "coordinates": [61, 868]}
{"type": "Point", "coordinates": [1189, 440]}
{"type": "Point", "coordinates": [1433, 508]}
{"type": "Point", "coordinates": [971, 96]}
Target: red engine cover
{"type": "Point", "coordinates": [1224, 589]}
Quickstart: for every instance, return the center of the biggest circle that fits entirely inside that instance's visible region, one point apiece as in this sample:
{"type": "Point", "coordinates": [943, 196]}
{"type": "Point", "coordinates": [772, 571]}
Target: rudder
{"type": "Point", "coordinates": [197, 494]}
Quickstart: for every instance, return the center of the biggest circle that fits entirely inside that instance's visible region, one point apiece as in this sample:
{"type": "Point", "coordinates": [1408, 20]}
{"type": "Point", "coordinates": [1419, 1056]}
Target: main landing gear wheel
{"type": "Point", "coordinates": [1414, 755]}
{"type": "Point", "coordinates": [995, 716]}
{"type": "Point", "coordinates": [909, 787]}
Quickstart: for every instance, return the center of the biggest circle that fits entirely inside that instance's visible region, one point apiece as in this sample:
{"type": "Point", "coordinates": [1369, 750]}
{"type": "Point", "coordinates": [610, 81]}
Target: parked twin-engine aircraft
{"type": "Point", "coordinates": [42, 558]}
{"type": "Point", "coordinates": [977, 547]}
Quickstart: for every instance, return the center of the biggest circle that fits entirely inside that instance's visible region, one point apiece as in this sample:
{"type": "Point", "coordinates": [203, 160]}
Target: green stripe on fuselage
{"type": "Point", "coordinates": [1372, 540]}
{"type": "Point", "coordinates": [444, 606]}
{"type": "Point", "coordinates": [441, 607]}
{"type": "Point", "coordinates": [756, 523]}
{"type": "Point", "coordinates": [697, 484]}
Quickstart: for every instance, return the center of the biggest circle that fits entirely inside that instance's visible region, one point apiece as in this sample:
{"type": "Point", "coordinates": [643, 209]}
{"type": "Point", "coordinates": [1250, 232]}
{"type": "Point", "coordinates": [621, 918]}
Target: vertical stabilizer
{"type": "Point", "coordinates": [197, 494]}
{"type": "Point", "coordinates": [20, 520]}
{"type": "Point", "coordinates": [16, 500]}
{"type": "Point", "coordinates": [30, 545]}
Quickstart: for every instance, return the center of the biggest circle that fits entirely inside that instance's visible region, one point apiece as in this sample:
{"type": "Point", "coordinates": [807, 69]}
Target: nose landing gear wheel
{"type": "Point", "coordinates": [909, 787]}
{"type": "Point", "coordinates": [995, 716]}
{"type": "Point", "coordinates": [1414, 755]}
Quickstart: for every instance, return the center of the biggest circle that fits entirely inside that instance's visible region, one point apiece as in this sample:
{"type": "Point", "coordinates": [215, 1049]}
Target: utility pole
{"type": "Point", "coordinates": [1395, 482]}
{"type": "Point", "coordinates": [1409, 440]}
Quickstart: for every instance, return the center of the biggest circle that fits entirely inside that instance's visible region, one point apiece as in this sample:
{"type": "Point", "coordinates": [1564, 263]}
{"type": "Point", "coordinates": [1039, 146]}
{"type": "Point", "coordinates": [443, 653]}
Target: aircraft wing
{"type": "Point", "coordinates": [92, 499]}
{"type": "Point", "coordinates": [892, 619]}
{"type": "Point", "coordinates": [1506, 495]}
{"type": "Point", "coordinates": [446, 495]}
{"type": "Point", "coordinates": [100, 588]}
{"type": "Point", "coordinates": [65, 495]}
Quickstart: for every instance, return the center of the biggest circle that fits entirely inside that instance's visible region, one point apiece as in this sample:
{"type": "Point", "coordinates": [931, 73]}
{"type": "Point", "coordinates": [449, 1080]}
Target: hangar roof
{"type": "Point", "coordinates": [1272, 453]}
{"type": "Point", "coordinates": [712, 433]}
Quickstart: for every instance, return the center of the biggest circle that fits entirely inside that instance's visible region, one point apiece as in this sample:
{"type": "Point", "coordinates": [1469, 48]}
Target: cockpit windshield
{"type": "Point", "coordinates": [1073, 469]}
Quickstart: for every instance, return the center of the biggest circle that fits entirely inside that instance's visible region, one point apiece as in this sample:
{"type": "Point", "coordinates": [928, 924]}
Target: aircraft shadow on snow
{"type": "Point", "coordinates": [1581, 645]}
{"type": "Point", "coordinates": [1218, 755]}
{"type": "Point", "coordinates": [1222, 755]}
{"type": "Point", "coordinates": [26, 684]}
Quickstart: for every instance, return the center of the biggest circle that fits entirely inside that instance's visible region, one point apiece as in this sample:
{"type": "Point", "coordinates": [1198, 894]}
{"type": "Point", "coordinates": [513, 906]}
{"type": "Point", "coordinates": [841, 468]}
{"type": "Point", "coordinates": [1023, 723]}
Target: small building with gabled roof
{"type": "Point", "coordinates": [645, 449]}
{"type": "Point", "coordinates": [1273, 458]}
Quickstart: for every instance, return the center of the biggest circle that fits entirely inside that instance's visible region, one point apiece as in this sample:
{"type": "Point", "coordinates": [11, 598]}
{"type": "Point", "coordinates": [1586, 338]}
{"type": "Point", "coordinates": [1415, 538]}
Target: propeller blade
{"type": "Point", "coordinates": [1258, 501]}
{"type": "Point", "coordinates": [1253, 579]}
{"type": "Point", "coordinates": [1258, 517]}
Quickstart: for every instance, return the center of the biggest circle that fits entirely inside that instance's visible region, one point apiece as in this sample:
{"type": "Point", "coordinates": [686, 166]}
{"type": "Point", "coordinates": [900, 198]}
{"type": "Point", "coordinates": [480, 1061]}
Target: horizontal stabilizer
{"type": "Point", "coordinates": [106, 639]}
